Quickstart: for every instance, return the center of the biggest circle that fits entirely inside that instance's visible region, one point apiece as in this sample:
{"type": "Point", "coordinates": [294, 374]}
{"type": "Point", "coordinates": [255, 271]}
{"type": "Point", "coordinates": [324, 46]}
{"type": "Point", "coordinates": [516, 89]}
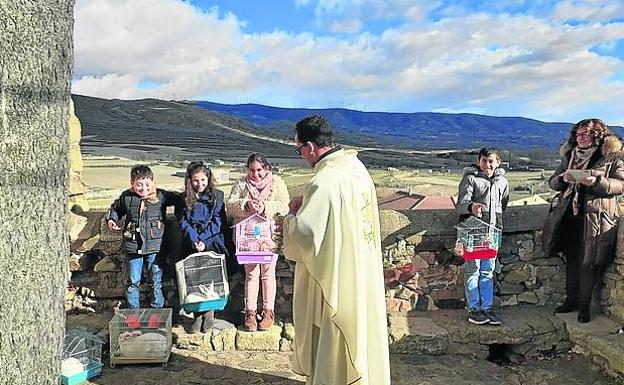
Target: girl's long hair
{"type": "Point", "coordinates": [259, 157]}
{"type": "Point", "coordinates": [190, 196]}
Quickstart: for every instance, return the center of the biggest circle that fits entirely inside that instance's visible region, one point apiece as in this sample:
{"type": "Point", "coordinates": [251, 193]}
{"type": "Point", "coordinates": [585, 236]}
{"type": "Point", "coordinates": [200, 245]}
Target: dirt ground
{"type": "Point", "coordinates": [236, 367]}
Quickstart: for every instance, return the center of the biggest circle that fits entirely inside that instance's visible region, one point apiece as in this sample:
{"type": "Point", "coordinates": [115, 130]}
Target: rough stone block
{"type": "Point", "coordinates": [223, 335]}
{"type": "Point", "coordinates": [528, 297]}
{"type": "Point", "coordinates": [398, 305]}
{"type": "Point", "coordinates": [553, 261]}
{"type": "Point", "coordinates": [509, 301]}
{"type": "Point", "coordinates": [434, 222]}
{"type": "Point", "coordinates": [545, 272]}
{"type": "Point", "coordinates": [391, 222]}
{"type": "Point", "coordinates": [445, 294]}
{"type": "Point", "coordinates": [427, 256]}
{"type": "Point", "coordinates": [286, 345]}
{"type": "Point", "coordinates": [259, 341]}
{"type": "Point", "coordinates": [525, 218]}
{"type": "Point", "coordinates": [517, 276]}
{"type": "Point", "coordinates": [513, 265]}
{"type": "Point", "coordinates": [184, 340]}
{"type": "Point", "coordinates": [597, 340]}
{"type": "Point", "coordinates": [419, 263]}
{"type": "Point", "coordinates": [289, 331]}
{"type": "Point", "coordinates": [413, 335]}
{"type": "Point", "coordinates": [507, 289]}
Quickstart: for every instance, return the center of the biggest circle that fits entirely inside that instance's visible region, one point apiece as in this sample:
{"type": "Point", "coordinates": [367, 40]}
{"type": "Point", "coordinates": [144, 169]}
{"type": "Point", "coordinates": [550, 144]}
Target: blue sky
{"type": "Point", "coordinates": [547, 60]}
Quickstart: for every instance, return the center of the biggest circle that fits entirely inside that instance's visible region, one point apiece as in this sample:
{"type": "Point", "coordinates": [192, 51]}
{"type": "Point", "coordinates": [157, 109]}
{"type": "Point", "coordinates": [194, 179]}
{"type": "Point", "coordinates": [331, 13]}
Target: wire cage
{"type": "Point", "coordinates": [82, 357]}
{"type": "Point", "coordinates": [477, 239]}
{"type": "Point", "coordinates": [254, 241]}
{"type": "Point", "coordinates": [202, 282]}
{"type": "Point", "coordinates": [140, 336]}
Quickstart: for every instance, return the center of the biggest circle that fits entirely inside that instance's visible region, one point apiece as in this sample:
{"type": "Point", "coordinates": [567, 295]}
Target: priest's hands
{"type": "Point", "coordinates": [295, 205]}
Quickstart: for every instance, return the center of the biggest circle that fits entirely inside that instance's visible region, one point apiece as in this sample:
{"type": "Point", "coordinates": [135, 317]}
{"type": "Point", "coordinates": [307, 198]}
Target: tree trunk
{"type": "Point", "coordinates": [36, 55]}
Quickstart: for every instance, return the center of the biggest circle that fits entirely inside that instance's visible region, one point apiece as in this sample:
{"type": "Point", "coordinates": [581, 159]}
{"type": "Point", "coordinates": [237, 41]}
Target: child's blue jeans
{"type": "Point", "coordinates": [135, 265]}
{"type": "Point", "coordinates": [479, 285]}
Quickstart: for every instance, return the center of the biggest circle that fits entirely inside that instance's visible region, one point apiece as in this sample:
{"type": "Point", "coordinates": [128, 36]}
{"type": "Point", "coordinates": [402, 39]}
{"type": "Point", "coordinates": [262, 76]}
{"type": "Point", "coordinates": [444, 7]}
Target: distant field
{"type": "Point", "coordinates": [107, 176]}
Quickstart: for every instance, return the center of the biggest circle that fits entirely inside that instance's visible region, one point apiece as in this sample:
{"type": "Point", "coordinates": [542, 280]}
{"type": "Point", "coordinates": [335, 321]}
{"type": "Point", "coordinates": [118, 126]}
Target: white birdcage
{"type": "Point", "coordinates": [254, 240]}
{"type": "Point", "coordinates": [82, 357]}
{"type": "Point", "coordinates": [477, 239]}
{"type": "Point", "coordinates": [140, 336]}
{"type": "Point", "coordinates": [202, 282]}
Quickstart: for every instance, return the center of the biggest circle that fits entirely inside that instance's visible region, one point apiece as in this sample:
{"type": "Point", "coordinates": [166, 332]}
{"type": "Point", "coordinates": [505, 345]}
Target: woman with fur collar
{"type": "Point", "coordinates": [582, 222]}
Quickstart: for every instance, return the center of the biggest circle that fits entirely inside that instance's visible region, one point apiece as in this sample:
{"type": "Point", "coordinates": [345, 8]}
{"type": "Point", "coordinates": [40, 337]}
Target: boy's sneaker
{"type": "Point", "coordinates": [478, 318]}
{"type": "Point", "coordinates": [492, 318]}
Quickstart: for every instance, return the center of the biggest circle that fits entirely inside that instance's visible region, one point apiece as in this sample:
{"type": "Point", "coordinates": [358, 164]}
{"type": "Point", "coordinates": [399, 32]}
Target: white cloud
{"type": "Point", "coordinates": [346, 26]}
{"type": "Point", "coordinates": [495, 64]}
{"type": "Point", "coordinates": [337, 10]}
{"type": "Point", "coordinates": [164, 41]}
{"type": "Point", "coordinates": [588, 10]}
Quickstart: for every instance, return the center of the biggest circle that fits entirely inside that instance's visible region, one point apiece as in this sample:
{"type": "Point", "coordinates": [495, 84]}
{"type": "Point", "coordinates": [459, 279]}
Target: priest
{"type": "Point", "coordinates": [332, 233]}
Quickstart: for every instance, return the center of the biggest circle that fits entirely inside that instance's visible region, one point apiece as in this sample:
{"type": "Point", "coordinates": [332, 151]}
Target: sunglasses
{"type": "Point", "coordinates": [298, 149]}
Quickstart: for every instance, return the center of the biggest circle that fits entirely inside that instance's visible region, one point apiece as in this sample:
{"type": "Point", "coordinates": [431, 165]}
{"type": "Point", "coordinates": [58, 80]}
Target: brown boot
{"type": "Point", "coordinates": [251, 323]}
{"type": "Point", "coordinates": [268, 317]}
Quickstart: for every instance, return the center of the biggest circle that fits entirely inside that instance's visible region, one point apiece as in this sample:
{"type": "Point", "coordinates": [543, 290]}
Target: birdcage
{"type": "Point", "coordinates": [140, 336]}
{"type": "Point", "coordinates": [254, 241]}
{"type": "Point", "coordinates": [82, 357]}
{"type": "Point", "coordinates": [202, 282]}
{"type": "Point", "coordinates": [477, 239]}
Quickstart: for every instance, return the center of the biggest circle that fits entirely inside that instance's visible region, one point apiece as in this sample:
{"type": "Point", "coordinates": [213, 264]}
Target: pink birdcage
{"type": "Point", "coordinates": [477, 239]}
{"type": "Point", "coordinates": [254, 241]}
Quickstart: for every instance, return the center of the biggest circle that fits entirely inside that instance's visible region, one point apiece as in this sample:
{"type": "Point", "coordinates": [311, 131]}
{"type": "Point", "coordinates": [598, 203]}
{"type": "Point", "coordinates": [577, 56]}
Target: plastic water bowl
{"type": "Point", "coordinates": [216, 304]}
{"type": "Point", "coordinates": [94, 370]}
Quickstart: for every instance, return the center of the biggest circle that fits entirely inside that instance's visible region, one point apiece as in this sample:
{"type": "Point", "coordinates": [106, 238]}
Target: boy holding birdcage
{"type": "Point", "coordinates": [483, 193]}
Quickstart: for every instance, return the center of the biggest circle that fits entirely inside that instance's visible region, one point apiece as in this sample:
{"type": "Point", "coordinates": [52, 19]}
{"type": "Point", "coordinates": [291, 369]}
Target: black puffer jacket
{"type": "Point", "coordinates": [142, 230]}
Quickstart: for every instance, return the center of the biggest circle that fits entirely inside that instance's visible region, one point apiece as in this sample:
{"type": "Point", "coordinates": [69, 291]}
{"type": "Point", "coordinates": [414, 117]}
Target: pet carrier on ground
{"type": "Point", "coordinates": [82, 357]}
{"type": "Point", "coordinates": [202, 282]}
{"type": "Point", "coordinates": [140, 336]}
{"type": "Point", "coordinates": [477, 239]}
{"type": "Point", "coordinates": [254, 241]}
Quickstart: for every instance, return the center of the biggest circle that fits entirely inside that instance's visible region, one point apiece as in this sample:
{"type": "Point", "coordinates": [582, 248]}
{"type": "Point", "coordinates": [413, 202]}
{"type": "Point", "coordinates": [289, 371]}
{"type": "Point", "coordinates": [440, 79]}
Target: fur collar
{"type": "Point", "coordinates": [611, 146]}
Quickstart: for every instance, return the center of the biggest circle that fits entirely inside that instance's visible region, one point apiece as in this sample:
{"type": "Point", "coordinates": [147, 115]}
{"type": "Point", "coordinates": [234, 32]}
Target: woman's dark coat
{"type": "Point", "coordinates": [598, 202]}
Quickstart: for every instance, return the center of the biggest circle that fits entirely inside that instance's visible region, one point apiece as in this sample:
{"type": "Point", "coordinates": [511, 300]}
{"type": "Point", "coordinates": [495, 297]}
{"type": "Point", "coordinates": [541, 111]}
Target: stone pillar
{"type": "Point", "coordinates": [36, 58]}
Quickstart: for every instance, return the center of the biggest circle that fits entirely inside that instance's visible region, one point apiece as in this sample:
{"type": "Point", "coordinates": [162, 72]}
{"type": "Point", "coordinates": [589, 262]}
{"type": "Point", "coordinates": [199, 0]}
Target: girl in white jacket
{"type": "Point", "coordinates": [259, 192]}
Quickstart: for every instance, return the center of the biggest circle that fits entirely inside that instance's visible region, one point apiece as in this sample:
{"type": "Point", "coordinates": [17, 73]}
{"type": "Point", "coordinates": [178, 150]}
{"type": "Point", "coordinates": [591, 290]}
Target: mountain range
{"type": "Point", "coordinates": [151, 128]}
{"type": "Point", "coordinates": [419, 130]}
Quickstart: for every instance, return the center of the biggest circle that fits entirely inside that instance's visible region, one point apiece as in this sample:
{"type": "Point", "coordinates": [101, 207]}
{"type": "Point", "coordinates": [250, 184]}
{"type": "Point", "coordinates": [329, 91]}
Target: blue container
{"type": "Point", "coordinates": [215, 304]}
{"type": "Point", "coordinates": [94, 369]}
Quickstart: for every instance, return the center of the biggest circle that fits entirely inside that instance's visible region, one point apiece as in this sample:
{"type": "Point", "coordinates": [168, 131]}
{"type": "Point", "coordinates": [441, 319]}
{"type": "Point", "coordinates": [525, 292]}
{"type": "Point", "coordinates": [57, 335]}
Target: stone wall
{"type": "Point", "coordinates": [611, 294]}
{"type": "Point", "coordinates": [99, 277]}
{"type": "Point", "coordinates": [422, 273]}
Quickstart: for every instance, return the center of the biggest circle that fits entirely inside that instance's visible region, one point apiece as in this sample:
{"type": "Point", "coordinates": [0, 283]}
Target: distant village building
{"type": "Point", "coordinates": [402, 200]}
{"type": "Point", "coordinates": [530, 200]}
